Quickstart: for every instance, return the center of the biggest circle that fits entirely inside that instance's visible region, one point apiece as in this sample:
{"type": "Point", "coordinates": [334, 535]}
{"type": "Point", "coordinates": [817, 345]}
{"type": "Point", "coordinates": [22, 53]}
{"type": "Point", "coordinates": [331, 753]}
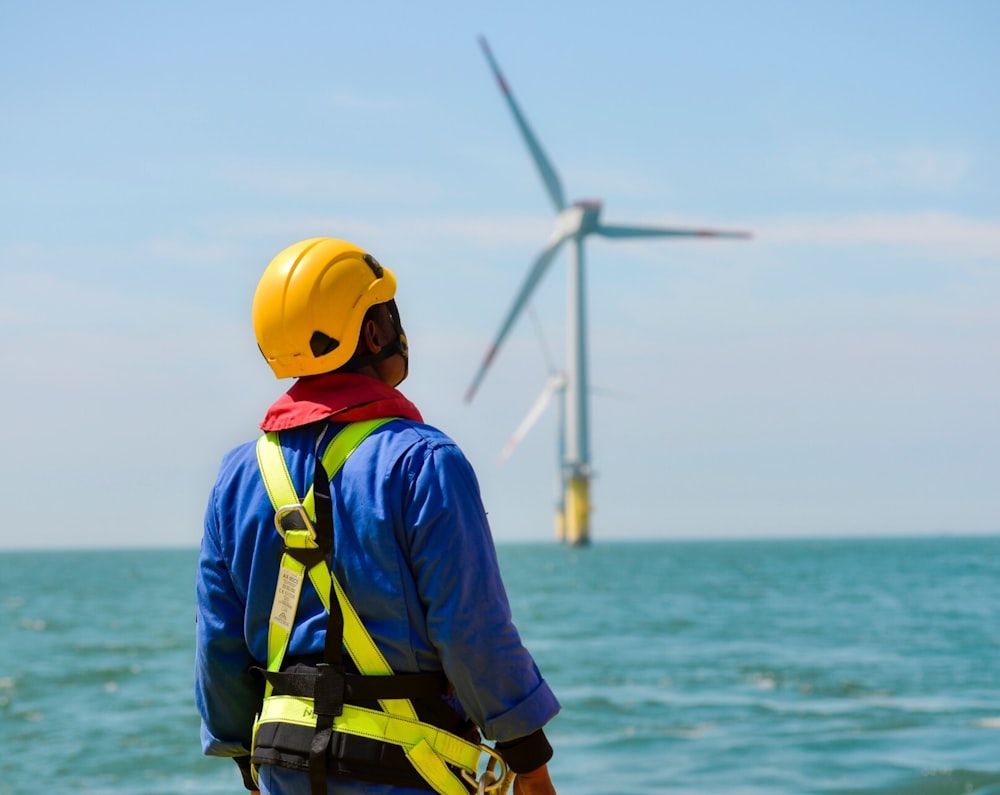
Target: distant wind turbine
{"type": "Point", "coordinates": [574, 222]}
{"type": "Point", "coordinates": [555, 387]}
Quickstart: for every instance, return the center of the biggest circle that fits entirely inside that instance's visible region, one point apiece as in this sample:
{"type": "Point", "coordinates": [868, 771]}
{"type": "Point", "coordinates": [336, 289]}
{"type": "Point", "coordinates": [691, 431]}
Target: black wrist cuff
{"type": "Point", "coordinates": [526, 753]}
{"type": "Point", "coordinates": [243, 763]}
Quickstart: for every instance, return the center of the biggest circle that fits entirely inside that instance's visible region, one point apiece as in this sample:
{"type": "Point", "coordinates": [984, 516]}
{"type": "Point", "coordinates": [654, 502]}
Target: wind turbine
{"type": "Point", "coordinates": [574, 223]}
{"type": "Point", "coordinates": [555, 387]}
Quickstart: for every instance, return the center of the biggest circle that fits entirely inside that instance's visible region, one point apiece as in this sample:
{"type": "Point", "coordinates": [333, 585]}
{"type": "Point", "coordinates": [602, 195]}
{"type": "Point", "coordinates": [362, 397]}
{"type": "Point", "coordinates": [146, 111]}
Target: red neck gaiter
{"type": "Point", "coordinates": [342, 397]}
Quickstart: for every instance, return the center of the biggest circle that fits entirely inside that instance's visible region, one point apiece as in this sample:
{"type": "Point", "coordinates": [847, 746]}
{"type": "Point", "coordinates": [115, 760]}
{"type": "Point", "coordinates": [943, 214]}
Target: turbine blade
{"type": "Point", "coordinates": [534, 276]}
{"type": "Point", "coordinates": [549, 176]}
{"type": "Point", "coordinates": [549, 361]}
{"type": "Point", "coordinates": [621, 231]}
{"type": "Point", "coordinates": [555, 383]}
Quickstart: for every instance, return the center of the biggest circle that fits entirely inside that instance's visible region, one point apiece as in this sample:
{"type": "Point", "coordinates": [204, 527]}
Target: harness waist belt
{"type": "Point", "coordinates": [357, 687]}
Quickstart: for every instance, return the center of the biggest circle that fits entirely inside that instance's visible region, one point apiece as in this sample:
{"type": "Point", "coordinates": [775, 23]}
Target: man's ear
{"type": "Point", "coordinates": [371, 336]}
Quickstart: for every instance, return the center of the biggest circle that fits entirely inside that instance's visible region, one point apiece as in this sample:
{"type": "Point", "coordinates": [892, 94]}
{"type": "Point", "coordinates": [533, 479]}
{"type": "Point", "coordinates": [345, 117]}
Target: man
{"type": "Point", "coordinates": [394, 514]}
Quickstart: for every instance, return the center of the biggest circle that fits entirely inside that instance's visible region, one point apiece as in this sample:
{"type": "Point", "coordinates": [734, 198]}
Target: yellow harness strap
{"type": "Point", "coordinates": [429, 748]}
{"type": "Point", "coordinates": [285, 500]}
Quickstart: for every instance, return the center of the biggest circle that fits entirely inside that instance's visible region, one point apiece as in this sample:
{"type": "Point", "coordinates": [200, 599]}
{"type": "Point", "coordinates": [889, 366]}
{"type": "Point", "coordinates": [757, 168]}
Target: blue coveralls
{"type": "Point", "coordinates": [416, 558]}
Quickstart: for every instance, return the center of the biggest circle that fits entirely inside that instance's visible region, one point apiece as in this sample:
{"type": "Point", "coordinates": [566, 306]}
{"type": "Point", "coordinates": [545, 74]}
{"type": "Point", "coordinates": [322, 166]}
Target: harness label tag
{"type": "Point", "coordinates": [286, 598]}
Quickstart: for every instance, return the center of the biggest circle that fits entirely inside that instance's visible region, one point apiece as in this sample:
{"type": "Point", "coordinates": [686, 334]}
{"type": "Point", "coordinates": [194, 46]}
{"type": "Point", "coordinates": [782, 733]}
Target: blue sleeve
{"type": "Point", "coordinates": [227, 695]}
{"type": "Point", "coordinates": [468, 615]}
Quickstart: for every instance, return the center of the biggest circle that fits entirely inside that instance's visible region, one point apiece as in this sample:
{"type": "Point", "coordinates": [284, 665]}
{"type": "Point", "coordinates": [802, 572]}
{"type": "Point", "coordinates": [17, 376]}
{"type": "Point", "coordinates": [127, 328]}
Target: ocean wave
{"type": "Point", "coordinates": [937, 782]}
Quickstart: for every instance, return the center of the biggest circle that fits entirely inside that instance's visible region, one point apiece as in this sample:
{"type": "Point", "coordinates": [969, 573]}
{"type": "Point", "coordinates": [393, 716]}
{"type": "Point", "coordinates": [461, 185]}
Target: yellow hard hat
{"type": "Point", "coordinates": [311, 302]}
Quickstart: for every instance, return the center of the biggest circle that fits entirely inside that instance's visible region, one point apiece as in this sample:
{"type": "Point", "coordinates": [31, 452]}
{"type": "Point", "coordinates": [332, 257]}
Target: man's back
{"type": "Point", "coordinates": [412, 551]}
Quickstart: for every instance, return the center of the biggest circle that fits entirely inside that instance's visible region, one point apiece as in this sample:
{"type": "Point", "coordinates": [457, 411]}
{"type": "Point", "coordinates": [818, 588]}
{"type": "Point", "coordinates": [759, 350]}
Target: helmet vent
{"type": "Point", "coordinates": [374, 265]}
{"type": "Point", "coordinates": [321, 344]}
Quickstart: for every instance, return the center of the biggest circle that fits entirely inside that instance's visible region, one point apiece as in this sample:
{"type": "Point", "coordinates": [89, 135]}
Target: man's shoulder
{"type": "Point", "coordinates": [423, 434]}
{"type": "Point", "coordinates": [238, 459]}
{"type": "Point", "coordinates": [430, 456]}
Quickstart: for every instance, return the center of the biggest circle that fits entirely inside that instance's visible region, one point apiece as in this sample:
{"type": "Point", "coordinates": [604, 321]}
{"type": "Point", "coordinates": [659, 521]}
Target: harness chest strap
{"type": "Point", "coordinates": [428, 748]}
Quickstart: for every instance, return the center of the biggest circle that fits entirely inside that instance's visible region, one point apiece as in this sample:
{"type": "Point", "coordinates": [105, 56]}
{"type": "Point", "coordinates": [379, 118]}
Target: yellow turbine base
{"type": "Point", "coordinates": [577, 516]}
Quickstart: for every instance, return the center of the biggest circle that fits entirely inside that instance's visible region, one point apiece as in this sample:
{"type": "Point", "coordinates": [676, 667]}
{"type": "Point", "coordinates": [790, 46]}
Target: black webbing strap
{"type": "Point", "coordinates": [306, 556]}
{"type": "Point", "coordinates": [302, 684]}
{"type": "Point", "coordinates": [246, 771]}
{"type": "Point", "coordinates": [328, 688]}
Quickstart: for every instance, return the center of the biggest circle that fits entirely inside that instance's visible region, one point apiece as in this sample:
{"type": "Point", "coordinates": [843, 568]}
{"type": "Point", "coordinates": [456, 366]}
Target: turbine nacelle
{"type": "Point", "coordinates": [579, 219]}
{"type": "Point", "coordinates": [591, 209]}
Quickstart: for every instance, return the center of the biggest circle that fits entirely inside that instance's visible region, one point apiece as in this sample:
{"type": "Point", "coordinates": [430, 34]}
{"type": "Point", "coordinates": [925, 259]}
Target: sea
{"type": "Point", "coordinates": [792, 667]}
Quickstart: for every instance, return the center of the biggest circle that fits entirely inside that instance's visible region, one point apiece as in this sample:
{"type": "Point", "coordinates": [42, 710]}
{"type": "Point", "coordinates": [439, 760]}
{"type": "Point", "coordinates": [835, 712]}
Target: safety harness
{"type": "Point", "coordinates": [353, 717]}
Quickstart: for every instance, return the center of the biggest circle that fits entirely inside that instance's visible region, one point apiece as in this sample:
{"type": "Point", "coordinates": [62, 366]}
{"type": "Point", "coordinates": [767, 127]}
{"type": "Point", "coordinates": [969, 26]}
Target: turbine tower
{"type": "Point", "coordinates": [574, 223]}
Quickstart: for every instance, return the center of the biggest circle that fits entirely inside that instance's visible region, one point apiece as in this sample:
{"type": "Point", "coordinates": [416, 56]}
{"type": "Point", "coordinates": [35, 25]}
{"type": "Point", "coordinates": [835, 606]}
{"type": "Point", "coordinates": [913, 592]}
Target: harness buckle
{"type": "Point", "coordinates": [293, 517]}
{"type": "Point", "coordinates": [496, 779]}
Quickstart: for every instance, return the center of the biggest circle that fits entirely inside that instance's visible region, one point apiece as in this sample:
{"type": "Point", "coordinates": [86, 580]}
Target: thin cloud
{"type": "Point", "coordinates": [933, 232]}
{"type": "Point", "coordinates": [179, 250]}
{"type": "Point", "coordinates": [617, 184]}
{"type": "Point", "coordinates": [927, 168]}
{"type": "Point", "coordinates": [362, 186]}
{"type": "Point", "coordinates": [910, 168]}
{"type": "Point", "coordinates": [488, 231]}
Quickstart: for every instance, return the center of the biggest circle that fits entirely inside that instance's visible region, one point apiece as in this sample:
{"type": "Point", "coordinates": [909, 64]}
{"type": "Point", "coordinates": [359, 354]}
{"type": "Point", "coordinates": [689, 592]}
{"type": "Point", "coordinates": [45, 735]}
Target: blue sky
{"type": "Point", "coordinates": [838, 375]}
